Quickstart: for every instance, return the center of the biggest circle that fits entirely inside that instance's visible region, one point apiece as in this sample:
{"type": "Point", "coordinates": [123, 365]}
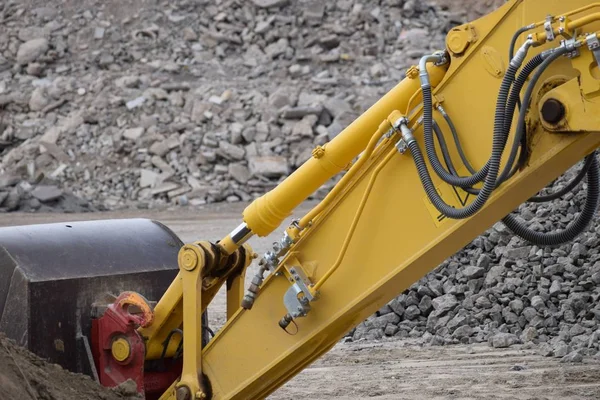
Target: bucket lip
{"type": "Point", "coordinates": [88, 249]}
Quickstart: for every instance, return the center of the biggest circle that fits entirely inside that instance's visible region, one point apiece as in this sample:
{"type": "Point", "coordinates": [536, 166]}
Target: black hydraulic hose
{"type": "Point", "coordinates": [498, 144]}
{"type": "Point", "coordinates": [558, 194]}
{"type": "Point", "coordinates": [576, 227]}
{"type": "Point", "coordinates": [523, 154]}
{"type": "Point", "coordinates": [513, 43]}
{"type": "Point", "coordinates": [435, 161]}
{"type": "Point", "coordinates": [459, 148]}
{"type": "Point", "coordinates": [510, 170]}
{"type": "Point", "coordinates": [515, 93]}
{"type": "Point", "coordinates": [444, 148]}
{"type": "Point", "coordinates": [513, 40]}
{"type": "Point", "coordinates": [520, 130]}
{"type": "Point", "coordinates": [466, 182]}
{"type": "Point", "coordinates": [446, 155]}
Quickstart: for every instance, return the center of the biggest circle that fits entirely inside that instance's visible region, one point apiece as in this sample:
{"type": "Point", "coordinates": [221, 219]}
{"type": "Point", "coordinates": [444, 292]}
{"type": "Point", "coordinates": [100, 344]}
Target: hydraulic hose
{"type": "Point", "coordinates": [526, 101]}
{"type": "Point", "coordinates": [513, 40]}
{"type": "Point", "coordinates": [498, 145]}
{"type": "Point", "coordinates": [444, 148]}
{"type": "Point", "coordinates": [432, 156]}
{"type": "Point", "coordinates": [576, 227]}
{"type": "Point", "coordinates": [558, 194]}
{"type": "Point", "coordinates": [498, 141]}
{"type": "Point", "coordinates": [454, 132]}
{"type": "Point", "coordinates": [466, 182]}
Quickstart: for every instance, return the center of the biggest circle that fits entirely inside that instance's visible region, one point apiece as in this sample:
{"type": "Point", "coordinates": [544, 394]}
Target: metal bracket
{"type": "Point", "coordinates": [296, 305]}
{"type": "Point", "coordinates": [401, 146]}
{"type": "Point", "coordinates": [594, 46]}
{"type": "Point", "coordinates": [271, 258]}
{"type": "Point", "coordinates": [548, 28]}
{"type": "Point", "coordinates": [390, 133]}
{"type": "Point", "coordinates": [572, 45]}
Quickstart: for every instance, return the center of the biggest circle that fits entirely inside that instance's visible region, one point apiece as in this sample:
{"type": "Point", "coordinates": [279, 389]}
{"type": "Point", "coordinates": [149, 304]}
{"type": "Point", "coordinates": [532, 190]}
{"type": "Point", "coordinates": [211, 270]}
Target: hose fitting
{"type": "Point", "coordinates": [518, 59]}
{"type": "Point", "coordinates": [437, 58]}
{"type": "Point", "coordinates": [407, 134]}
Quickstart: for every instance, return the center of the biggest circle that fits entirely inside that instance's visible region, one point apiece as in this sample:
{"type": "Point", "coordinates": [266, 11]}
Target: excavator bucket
{"type": "Point", "coordinates": [53, 276]}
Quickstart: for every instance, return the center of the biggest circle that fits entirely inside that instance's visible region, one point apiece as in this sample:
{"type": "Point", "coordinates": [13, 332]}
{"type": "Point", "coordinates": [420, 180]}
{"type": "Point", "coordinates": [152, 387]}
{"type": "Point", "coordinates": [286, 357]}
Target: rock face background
{"type": "Point", "coordinates": [146, 104]}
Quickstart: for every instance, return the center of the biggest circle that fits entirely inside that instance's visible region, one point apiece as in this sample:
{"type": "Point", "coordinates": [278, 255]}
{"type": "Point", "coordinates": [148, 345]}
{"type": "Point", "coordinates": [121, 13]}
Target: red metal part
{"type": "Point", "coordinates": [117, 322]}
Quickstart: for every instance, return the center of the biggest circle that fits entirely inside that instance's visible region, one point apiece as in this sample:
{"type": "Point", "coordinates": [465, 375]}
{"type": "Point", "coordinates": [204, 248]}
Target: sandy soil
{"type": "Point", "coordinates": [386, 370]}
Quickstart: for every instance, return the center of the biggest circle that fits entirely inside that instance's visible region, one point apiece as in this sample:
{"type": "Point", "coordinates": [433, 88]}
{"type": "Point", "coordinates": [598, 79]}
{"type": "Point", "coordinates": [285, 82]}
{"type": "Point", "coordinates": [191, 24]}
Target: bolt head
{"type": "Point", "coordinates": [121, 349]}
{"type": "Point", "coordinates": [553, 111]}
{"type": "Point", "coordinates": [183, 393]}
{"type": "Point", "coordinates": [189, 259]}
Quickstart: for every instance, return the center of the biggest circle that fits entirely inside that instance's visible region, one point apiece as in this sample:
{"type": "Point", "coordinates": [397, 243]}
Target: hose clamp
{"type": "Point", "coordinates": [572, 46]}
{"type": "Point", "coordinates": [594, 45]}
{"type": "Point", "coordinates": [398, 124]}
{"type": "Point", "coordinates": [401, 146]}
{"type": "Point", "coordinates": [401, 126]}
{"type": "Point", "coordinates": [548, 28]}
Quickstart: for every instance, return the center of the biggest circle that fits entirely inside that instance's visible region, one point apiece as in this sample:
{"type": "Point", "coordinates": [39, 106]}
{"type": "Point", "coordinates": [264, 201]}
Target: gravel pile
{"type": "Point", "coordinates": [501, 290]}
{"type": "Point", "coordinates": [146, 104]}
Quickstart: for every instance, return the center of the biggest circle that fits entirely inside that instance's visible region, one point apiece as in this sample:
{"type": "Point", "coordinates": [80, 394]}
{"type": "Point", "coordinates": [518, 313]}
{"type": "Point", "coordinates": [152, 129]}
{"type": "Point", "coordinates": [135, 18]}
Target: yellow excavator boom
{"type": "Point", "coordinates": [384, 226]}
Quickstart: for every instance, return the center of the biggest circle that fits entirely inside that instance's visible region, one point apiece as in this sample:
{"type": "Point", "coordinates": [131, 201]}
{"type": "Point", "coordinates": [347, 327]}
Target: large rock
{"type": "Point", "coordinates": [32, 50]}
{"type": "Point", "coordinates": [148, 178]}
{"type": "Point", "coordinates": [444, 304]}
{"type": "Point", "coordinates": [503, 340]}
{"type": "Point", "coordinates": [38, 100]}
{"type": "Point", "coordinates": [269, 166]}
{"type": "Point", "coordinates": [231, 151]}
{"type": "Point", "coordinates": [239, 172]}
{"type": "Point", "coordinates": [572, 357]}
{"type": "Point", "coordinates": [46, 193]}
{"type": "Point", "coordinates": [472, 272]}
{"type": "Point", "coordinates": [8, 179]}
{"type": "Point", "coordinates": [133, 133]}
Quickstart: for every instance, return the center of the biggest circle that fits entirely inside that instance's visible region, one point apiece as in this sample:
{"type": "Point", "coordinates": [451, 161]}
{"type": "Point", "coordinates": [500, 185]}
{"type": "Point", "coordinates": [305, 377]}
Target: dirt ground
{"type": "Point", "coordinates": [380, 370]}
{"type": "Point", "coordinates": [24, 376]}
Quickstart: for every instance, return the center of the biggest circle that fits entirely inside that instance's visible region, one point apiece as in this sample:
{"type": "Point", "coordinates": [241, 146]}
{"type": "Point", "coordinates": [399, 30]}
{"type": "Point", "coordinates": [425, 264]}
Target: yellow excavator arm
{"type": "Point", "coordinates": [469, 135]}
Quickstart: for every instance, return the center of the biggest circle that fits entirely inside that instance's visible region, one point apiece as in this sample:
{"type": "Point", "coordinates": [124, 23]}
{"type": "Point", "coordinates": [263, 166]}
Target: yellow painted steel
{"type": "Point", "coordinates": [354, 224]}
{"type": "Point", "coordinates": [396, 240]}
{"type": "Point", "coordinates": [169, 312]}
{"type": "Point", "coordinates": [191, 262]}
{"type": "Point", "coordinates": [235, 293]}
{"type": "Point", "coordinates": [381, 130]}
{"type": "Point", "coordinates": [227, 245]}
{"type": "Point", "coordinates": [267, 212]}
